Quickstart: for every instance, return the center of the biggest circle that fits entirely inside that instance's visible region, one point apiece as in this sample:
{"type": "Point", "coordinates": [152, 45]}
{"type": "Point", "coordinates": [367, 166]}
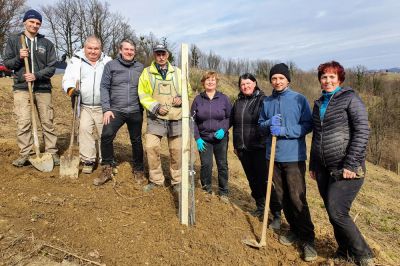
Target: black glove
{"type": "Point", "coordinates": [72, 92]}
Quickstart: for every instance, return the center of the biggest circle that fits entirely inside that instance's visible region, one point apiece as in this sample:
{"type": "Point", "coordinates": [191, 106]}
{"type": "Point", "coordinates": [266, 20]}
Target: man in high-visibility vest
{"type": "Point", "coordinates": [160, 89]}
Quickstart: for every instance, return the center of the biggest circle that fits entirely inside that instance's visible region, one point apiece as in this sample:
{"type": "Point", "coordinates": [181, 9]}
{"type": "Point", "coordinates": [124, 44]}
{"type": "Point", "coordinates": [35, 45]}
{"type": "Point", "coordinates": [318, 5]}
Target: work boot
{"type": "Point", "coordinates": [276, 222]}
{"type": "Point", "coordinates": [21, 161]}
{"type": "Point", "coordinates": [88, 167]}
{"type": "Point", "coordinates": [56, 159]}
{"type": "Point", "coordinates": [150, 186]}
{"type": "Point", "coordinates": [176, 188]}
{"type": "Point", "coordinates": [139, 177]}
{"type": "Point", "coordinates": [288, 239]}
{"type": "Point", "coordinates": [309, 252]}
{"type": "Point", "coordinates": [105, 176]}
{"type": "Point", "coordinates": [258, 212]}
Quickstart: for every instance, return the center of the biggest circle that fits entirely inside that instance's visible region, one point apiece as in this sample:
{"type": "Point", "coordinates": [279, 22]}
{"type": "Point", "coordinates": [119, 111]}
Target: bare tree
{"type": "Point", "coordinates": [195, 55]}
{"type": "Point", "coordinates": [9, 18]}
{"type": "Point", "coordinates": [213, 61]}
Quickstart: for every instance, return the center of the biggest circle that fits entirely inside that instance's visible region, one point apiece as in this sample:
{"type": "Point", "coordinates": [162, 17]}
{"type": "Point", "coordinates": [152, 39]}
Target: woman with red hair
{"type": "Point", "coordinates": [337, 160]}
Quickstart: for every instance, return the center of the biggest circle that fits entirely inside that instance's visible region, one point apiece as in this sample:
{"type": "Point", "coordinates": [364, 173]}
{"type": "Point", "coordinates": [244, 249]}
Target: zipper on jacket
{"type": "Point", "coordinates": [94, 84]}
{"type": "Point", "coordinates": [322, 130]}
{"type": "Point", "coordinates": [244, 108]}
{"type": "Point", "coordinates": [129, 85]}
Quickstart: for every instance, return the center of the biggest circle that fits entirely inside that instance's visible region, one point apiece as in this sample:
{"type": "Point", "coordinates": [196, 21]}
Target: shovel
{"type": "Point", "coordinates": [43, 162]}
{"type": "Point", "coordinates": [69, 164]}
{"type": "Point", "coordinates": [252, 242]}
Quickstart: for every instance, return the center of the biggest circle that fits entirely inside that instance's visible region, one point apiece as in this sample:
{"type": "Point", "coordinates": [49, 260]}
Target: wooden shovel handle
{"type": "Point", "coordinates": [263, 240]}
{"type": "Point", "coordinates": [33, 113]}
{"type": "Point", "coordinates": [71, 141]}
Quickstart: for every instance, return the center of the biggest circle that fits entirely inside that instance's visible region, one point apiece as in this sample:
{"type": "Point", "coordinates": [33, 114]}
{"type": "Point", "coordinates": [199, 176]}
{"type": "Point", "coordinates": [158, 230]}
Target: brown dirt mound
{"type": "Point", "coordinates": [46, 220]}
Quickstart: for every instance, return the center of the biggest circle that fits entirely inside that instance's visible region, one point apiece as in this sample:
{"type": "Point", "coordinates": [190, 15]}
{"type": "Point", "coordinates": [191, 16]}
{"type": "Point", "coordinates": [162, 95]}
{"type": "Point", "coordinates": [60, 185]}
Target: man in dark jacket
{"type": "Point", "coordinates": [42, 58]}
{"type": "Point", "coordinates": [120, 104]}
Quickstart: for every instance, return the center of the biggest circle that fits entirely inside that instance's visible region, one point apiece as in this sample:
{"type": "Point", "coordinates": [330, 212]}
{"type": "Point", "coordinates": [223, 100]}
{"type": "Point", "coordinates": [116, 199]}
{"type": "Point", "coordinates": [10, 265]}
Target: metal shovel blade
{"type": "Point", "coordinates": [43, 162]}
{"type": "Point", "coordinates": [69, 166]}
{"type": "Point", "coordinates": [252, 243]}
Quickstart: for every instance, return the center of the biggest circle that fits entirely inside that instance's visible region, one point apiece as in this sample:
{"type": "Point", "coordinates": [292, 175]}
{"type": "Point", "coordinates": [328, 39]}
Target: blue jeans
{"type": "Point", "coordinates": [134, 123]}
{"type": "Point", "coordinates": [338, 197]}
{"type": "Point", "coordinates": [219, 150]}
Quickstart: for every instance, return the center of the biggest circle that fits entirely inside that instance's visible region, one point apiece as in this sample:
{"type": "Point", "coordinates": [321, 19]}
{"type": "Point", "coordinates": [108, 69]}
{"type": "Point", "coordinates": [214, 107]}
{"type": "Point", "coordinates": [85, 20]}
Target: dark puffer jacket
{"type": "Point", "coordinates": [340, 140]}
{"type": "Point", "coordinates": [244, 119]}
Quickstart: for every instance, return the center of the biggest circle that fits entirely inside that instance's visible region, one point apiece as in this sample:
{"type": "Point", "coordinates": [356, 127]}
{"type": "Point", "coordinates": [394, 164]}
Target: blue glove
{"type": "Point", "coordinates": [278, 131]}
{"type": "Point", "coordinates": [201, 145]}
{"type": "Point", "coordinates": [219, 134]}
{"type": "Point", "coordinates": [276, 120]}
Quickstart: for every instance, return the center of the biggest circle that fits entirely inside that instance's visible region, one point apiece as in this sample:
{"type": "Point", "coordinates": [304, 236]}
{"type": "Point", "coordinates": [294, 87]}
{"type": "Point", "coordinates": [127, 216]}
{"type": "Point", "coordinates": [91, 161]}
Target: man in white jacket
{"type": "Point", "coordinates": [86, 67]}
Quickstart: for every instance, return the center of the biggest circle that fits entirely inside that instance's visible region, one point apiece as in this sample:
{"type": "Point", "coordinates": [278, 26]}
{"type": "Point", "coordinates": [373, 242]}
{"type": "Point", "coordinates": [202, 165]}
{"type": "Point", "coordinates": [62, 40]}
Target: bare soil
{"type": "Point", "coordinates": [47, 220]}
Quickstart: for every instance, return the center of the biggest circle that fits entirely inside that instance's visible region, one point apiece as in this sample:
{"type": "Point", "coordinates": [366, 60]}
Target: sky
{"type": "Point", "coordinates": [307, 32]}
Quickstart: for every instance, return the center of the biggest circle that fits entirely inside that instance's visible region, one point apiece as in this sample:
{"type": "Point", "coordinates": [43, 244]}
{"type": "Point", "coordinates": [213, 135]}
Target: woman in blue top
{"type": "Point", "coordinates": [211, 110]}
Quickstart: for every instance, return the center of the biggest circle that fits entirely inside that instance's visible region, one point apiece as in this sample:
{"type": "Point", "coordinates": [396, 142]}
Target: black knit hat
{"type": "Point", "coordinates": [280, 69]}
{"type": "Point", "coordinates": [32, 14]}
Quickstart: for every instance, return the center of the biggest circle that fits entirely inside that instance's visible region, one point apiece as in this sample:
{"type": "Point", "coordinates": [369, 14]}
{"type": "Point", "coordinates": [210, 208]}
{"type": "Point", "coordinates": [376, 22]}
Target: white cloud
{"type": "Point", "coordinates": [357, 32]}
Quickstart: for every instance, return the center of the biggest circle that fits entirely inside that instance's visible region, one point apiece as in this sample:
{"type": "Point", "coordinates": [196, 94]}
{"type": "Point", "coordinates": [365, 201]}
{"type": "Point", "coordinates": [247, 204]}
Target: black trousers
{"type": "Point", "coordinates": [256, 169]}
{"type": "Point", "coordinates": [219, 150]}
{"type": "Point", "coordinates": [338, 195]}
{"type": "Point", "coordinates": [290, 189]}
{"type": "Point", "coordinates": [134, 122]}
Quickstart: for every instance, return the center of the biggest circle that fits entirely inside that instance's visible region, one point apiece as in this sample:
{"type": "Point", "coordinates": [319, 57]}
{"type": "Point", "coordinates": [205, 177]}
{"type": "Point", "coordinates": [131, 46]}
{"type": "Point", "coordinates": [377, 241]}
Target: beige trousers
{"type": "Point", "coordinates": [153, 149]}
{"type": "Point", "coordinates": [91, 118]}
{"type": "Point", "coordinates": [22, 111]}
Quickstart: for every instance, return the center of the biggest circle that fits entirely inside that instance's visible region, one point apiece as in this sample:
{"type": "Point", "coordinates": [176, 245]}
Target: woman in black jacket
{"type": "Point", "coordinates": [249, 144]}
{"type": "Point", "coordinates": [337, 161]}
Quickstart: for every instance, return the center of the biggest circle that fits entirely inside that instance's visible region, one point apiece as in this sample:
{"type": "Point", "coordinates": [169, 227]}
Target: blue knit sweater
{"type": "Point", "coordinates": [297, 120]}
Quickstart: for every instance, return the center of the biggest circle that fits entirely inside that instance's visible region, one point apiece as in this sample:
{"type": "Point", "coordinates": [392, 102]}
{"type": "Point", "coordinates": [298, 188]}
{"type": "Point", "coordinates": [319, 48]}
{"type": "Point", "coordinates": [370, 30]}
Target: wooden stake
{"type": "Point", "coordinates": [184, 195]}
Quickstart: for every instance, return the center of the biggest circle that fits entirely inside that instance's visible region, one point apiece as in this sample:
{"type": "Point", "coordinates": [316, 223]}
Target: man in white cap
{"type": "Point", "coordinates": [42, 59]}
{"type": "Point", "coordinates": [160, 89]}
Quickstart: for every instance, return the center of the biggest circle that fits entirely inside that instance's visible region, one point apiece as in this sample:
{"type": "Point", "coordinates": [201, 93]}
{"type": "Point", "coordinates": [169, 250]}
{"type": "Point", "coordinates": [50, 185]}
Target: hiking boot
{"type": "Point", "coordinates": [105, 176]}
{"type": "Point", "coordinates": [150, 186]}
{"type": "Point", "coordinates": [258, 212]}
{"type": "Point", "coordinates": [366, 262]}
{"type": "Point", "coordinates": [139, 177]}
{"type": "Point", "coordinates": [88, 167]}
{"type": "Point", "coordinates": [340, 255]}
{"type": "Point", "coordinates": [224, 199]}
{"type": "Point", "coordinates": [276, 223]}
{"type": "Point", "coordinates": [309, 252]}
{"type": "Point", "coordinates": [288, 239]}
{"type": "Point", "coordinates": [21, 161]}
{"type": "Point", "coordinates": [176, 188]}
{"type": "Point", "coordinates": [56, 159]}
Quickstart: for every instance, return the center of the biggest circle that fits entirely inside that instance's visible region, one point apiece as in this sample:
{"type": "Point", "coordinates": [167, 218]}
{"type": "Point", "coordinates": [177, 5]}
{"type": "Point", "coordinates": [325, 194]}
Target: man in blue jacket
{"type": "Point", "coordinates": [286, 114]}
